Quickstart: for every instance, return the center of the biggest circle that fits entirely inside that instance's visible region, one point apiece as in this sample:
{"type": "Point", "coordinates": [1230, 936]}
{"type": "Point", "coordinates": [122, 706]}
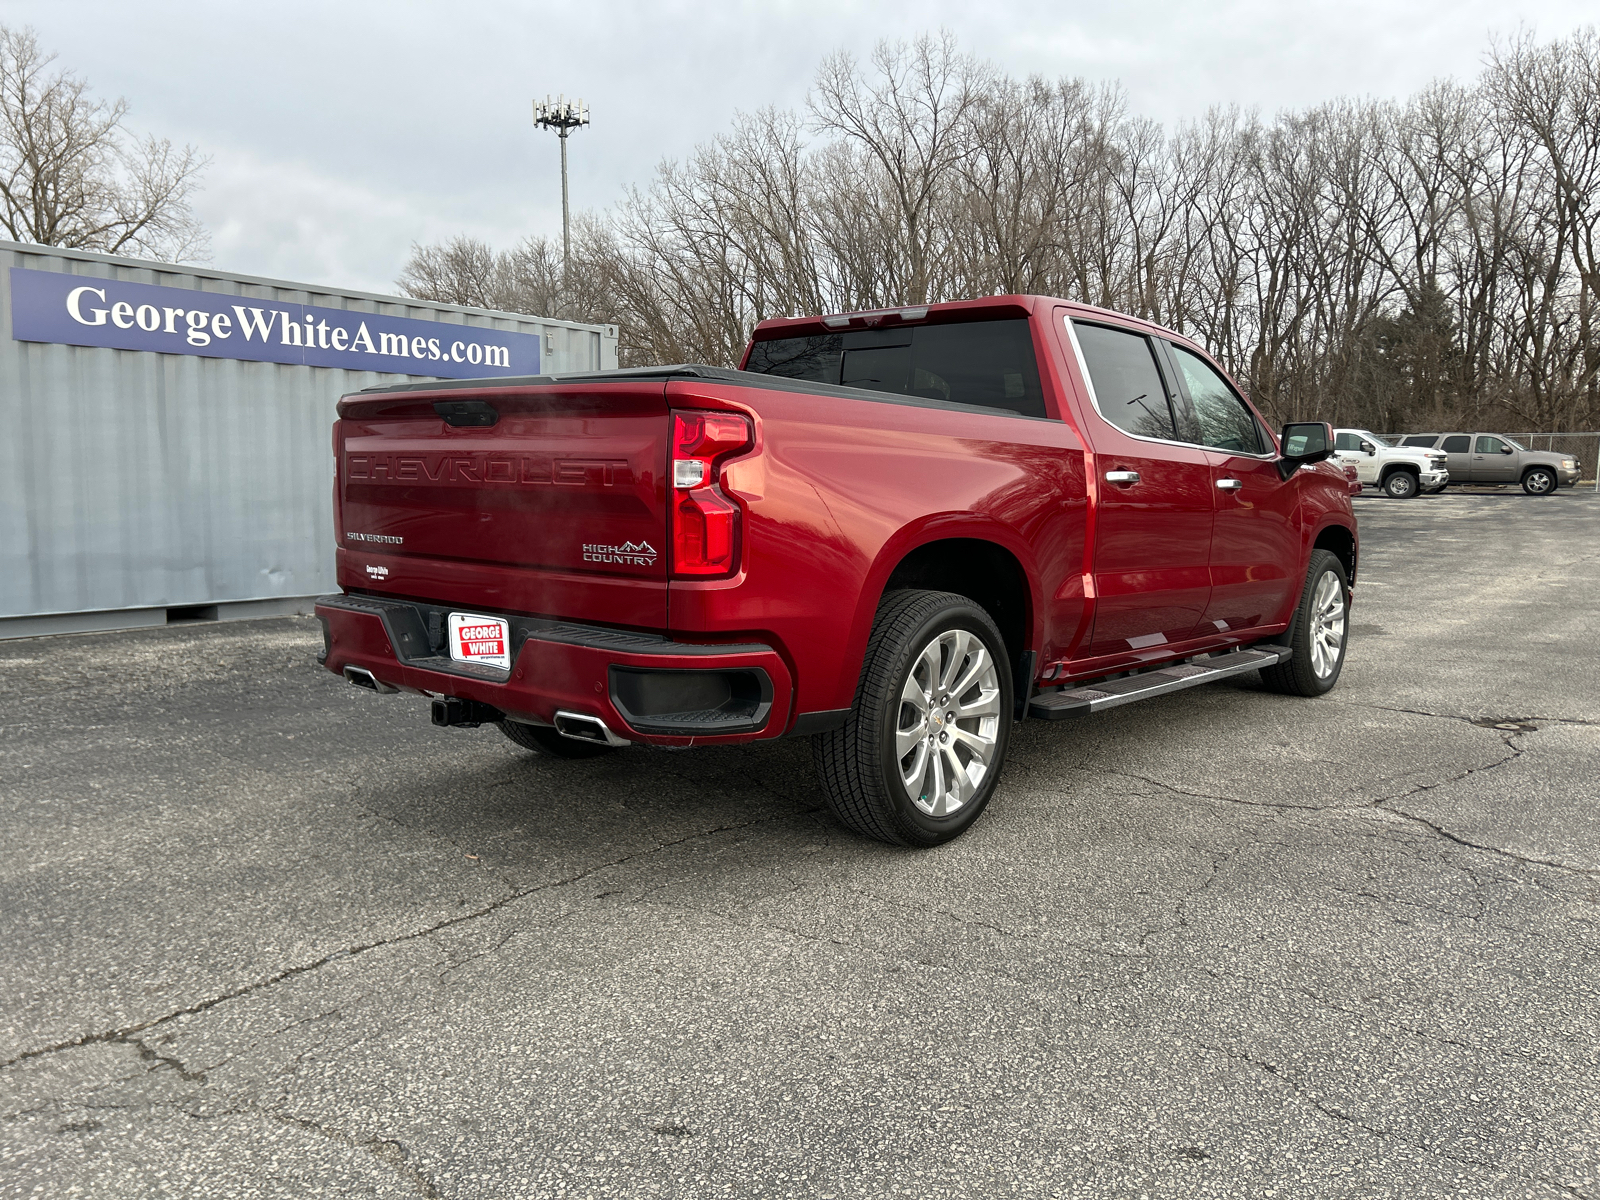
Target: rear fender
{"type": "Point", "coordinates": [936, 528]}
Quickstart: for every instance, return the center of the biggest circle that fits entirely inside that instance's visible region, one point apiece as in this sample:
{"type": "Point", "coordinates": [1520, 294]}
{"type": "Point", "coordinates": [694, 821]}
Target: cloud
{"type": "Point", "coordinates": [307, 221]}
{"type": "Point", "coordinates": [343, 133]}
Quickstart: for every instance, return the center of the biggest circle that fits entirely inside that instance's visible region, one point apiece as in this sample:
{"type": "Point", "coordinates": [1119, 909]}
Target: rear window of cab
{"type": "Point", "coordinates": [986, 363]}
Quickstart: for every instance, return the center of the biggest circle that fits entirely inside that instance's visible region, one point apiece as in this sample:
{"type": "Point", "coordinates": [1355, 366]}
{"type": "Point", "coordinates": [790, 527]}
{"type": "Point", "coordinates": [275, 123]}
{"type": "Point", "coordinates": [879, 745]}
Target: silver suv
{"type": "Point", "coordinates": [1495, 458]}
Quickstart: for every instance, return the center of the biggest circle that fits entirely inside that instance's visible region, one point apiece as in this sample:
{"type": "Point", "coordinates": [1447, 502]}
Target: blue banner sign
{"type": "Point", "coordinates": [84, 310]}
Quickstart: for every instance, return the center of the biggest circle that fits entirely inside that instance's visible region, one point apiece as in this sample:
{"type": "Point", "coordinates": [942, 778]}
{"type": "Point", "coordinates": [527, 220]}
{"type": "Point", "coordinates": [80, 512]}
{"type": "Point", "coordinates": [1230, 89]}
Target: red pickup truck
{"type": "Point", "coordinates": [897, 533]}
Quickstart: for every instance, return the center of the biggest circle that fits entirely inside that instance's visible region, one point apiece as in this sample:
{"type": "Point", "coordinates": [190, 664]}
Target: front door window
{"type": "Point", "coordinates": [1225, 421]}
{"type": "Point", "coordinates": [1253, 532]}
{"type": "Point", "coordinates": [1490, 462]}
{"type": "Point", "coordinates": [1153, 529]}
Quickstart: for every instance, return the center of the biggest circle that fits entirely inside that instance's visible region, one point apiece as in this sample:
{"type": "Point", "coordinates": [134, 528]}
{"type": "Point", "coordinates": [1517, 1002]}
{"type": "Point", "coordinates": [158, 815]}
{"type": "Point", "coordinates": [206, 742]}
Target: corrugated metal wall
{"type": "Point", "coordinates": [138, 480]}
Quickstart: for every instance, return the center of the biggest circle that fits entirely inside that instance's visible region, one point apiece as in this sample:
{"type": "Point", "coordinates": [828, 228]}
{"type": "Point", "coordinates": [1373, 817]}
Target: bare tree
{"type": "Point", "coordinates": [1550, 97]}
{"type": "Point", "coordinates": [460, 271]}
{"type": "Point", "coordinates": [1430, 261]}
{"type": "Point", "coordinates": [71, 175]}
{"type": "Point", "coordinates": [910, 122]}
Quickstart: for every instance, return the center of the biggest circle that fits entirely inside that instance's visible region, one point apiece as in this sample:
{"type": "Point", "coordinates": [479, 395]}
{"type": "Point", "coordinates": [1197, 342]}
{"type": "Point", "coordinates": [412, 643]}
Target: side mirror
{"type": "Point", "coordinates": [1304, 442]}
{"type": "Point", "coordinates": [1505, 449]}
{"type": "Point", "coordinates": [1368, 449]}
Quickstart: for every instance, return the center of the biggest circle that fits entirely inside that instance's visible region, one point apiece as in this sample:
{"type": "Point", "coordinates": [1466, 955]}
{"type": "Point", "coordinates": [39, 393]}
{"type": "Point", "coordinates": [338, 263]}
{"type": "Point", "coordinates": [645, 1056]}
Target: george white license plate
{"type": "Point", "coordinates": [479, 639]}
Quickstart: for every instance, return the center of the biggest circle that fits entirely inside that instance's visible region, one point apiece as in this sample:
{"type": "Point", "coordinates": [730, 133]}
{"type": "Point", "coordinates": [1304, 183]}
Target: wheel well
{"type": "Point", "coordinates": [984, 572]}
{"type": "Point", "coordinates": [1532, 467]}
{"type": "Point", "coordinates": [1408, 468]}
{"type": "Point", "coordinates": [1341, 543]}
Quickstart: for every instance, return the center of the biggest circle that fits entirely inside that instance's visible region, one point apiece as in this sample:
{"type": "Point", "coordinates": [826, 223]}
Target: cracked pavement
{"type": "Point", "coordinates": [263, 934]}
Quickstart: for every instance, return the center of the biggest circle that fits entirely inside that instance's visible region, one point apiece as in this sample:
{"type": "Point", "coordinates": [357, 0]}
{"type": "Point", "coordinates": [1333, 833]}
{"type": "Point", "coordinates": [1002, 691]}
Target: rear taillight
{"type": "Point", "coordinates": [705, 523]}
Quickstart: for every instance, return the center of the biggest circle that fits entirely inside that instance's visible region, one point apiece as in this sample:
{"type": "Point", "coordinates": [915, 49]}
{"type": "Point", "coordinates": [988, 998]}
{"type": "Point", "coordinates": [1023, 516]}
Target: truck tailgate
{"type": "Point", "coordinates": [548, 500]}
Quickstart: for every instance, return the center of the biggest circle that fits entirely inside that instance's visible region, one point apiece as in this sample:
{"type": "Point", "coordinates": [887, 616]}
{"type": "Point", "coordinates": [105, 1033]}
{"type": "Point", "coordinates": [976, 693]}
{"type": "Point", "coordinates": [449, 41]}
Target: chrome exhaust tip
{"type": "Point", "coordinates": [581, 727]}
{"type": "Point", "coordinates": [363, 678]}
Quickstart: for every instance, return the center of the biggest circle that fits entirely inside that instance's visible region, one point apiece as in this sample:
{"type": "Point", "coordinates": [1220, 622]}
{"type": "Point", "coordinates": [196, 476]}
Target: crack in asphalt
{"type": "Point", "coordinates": [1435, 909]}
{"type": "Point", "coordinates": [1181, 909]}
{"type": "Point", "coordinates": [123, 1035]}
{"type": "Point", "coordinates": [1427, 1035]}
{"type": "Point", "coordinates": [1177, 791]}
{"type": "Point", "coordinates": [472, 958]}
{"type": "Point", "coordinates": [1016, 934]}
{"type": "Point", "coordinates": [1422, 712]}
{"type": "Point", "coordinates": [1337, 1114]}
{"type": "Point", "coordinates": [745, 921]}
{"type": "Point", "coordinates": [1388, 803]}
{"type": "Point", "coordinates": [165, 1060]}
{"type": "Point", "coordinates": [1414, 789]}
{"type": "Point", "coordinates": [1300, 1092]}
{"type": "Point", "coordinates": [426, 832]}
{"type": "Point", "coordinates": [390, 1151]}
{"type": "Point", "coordinates": [1528, 860]}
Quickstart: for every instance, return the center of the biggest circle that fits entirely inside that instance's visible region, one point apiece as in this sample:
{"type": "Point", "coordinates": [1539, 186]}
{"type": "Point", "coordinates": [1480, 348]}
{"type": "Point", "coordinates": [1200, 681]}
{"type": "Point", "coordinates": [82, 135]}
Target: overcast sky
{"type": "Point", "coordinates": [342, 132]}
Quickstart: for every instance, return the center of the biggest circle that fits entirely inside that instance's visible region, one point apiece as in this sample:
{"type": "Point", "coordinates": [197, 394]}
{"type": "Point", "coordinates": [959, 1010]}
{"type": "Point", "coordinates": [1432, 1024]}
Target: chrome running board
{"type": "Point", "coordinates": [1081, 701]}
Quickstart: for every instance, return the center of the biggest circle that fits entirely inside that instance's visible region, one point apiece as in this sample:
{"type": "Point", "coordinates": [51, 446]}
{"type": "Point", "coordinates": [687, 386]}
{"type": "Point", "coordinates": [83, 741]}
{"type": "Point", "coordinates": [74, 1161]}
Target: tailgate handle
{"type": "Point", "coordinates": [467, 413]}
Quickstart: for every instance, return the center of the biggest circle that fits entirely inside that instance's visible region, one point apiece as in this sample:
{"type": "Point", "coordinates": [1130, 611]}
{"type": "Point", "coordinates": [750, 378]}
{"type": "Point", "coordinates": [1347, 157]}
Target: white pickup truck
{"type": "Point", "coordinates": [1401, 472]}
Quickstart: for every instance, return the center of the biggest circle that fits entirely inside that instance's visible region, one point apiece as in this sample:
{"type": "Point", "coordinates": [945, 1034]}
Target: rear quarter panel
{"type": "Point", "coordinates": [838, 490]}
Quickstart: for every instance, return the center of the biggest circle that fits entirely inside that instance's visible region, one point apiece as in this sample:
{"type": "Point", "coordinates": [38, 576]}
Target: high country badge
{"type": "Point", "coordinates": [634, 554]}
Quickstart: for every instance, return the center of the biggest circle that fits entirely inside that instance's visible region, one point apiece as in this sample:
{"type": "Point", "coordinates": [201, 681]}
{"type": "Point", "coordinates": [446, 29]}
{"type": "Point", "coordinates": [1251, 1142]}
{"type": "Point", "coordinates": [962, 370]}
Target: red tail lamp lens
{"type": "Point", "coordinates": [705, 523]}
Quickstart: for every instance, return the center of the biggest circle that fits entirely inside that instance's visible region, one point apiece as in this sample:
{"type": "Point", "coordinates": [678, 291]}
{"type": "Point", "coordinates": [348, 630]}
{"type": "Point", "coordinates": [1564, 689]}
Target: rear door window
{"type": "Point", "coordinates": [1456, 443]}
{"type": "Point", "coordinates": [1226, 422]}
{"type": "Point", "coordinates": [1128, 388]}
{"type": "Point", "coordinates": [985, 363]}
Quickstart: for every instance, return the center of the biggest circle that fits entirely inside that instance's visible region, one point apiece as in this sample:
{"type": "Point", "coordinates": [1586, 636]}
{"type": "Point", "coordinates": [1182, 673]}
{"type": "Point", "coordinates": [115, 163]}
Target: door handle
{"type": "Point", "coordinates": [1122, 477]}
{"type": "Point", "coordinates": [1230, 485]}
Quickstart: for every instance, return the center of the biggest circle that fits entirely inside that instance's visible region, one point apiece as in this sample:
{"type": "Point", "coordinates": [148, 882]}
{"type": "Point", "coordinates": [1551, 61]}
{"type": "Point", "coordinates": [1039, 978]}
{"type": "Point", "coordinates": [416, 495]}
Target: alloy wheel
{"type": "Point", "coordinates": [1327, 624]}
{"type": "Point", "coordinates": [948, 724]}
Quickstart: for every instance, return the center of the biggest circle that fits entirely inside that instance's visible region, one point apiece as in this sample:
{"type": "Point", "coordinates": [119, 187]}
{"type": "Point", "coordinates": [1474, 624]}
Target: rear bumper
{"type": "Point", "coordinates": [645, 688]}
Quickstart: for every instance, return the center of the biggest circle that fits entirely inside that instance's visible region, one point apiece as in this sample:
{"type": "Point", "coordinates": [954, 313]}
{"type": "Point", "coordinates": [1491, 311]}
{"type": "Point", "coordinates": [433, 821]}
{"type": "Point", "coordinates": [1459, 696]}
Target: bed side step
{"type": "Point", "coordinates": [1081, 701]}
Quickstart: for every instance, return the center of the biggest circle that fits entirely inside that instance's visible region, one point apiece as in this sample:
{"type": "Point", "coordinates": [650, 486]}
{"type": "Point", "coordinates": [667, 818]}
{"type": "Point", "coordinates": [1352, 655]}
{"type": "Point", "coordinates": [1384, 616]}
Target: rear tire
{"type": "Point", "coordinates": [1319, 633]}
{"type": "Point", "coordinates": [921, 753]}
{"type": "Point", "coordinates": [1540, 481]}
{"type": "Point", "coordinates": [543, 739]}
{"type": "Point", "coordinates": [1400, 485]}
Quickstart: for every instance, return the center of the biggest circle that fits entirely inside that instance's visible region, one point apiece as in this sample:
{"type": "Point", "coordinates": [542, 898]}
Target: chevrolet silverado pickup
{"type": "Point", "coordinates": [1400, 472]}
{"type": "Point", "coordinates": [897, 533]}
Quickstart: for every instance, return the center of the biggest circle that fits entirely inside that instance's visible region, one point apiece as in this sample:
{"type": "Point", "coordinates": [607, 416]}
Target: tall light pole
{"type": "Point", "coordinates": [563, 116]}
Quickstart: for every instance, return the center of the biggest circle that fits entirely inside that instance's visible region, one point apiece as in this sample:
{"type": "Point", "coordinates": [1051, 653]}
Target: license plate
{"type": "Point", "coordinates": [480, 639]}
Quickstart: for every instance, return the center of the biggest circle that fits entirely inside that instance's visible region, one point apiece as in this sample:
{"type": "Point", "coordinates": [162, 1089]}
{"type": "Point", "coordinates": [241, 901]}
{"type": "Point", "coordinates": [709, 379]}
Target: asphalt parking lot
{"type": "Point", "coordinates": [263, 934]}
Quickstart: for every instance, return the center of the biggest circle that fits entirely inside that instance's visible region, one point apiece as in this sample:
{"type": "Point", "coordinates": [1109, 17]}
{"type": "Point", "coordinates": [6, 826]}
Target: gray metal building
{"type": "Point", "coordinates": [142, 486]}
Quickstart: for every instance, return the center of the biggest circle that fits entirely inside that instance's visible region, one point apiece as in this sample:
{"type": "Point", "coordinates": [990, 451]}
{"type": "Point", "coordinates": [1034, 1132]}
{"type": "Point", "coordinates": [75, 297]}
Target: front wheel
{"type": "Point", "coordinates": [1317, 638]}
{"type": "Point", "coordinates": [1541, 481]}
{"type": "Point", "coordinates": [920, 755]}
{"type": "Point", "coordinates": [1401, 485]}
